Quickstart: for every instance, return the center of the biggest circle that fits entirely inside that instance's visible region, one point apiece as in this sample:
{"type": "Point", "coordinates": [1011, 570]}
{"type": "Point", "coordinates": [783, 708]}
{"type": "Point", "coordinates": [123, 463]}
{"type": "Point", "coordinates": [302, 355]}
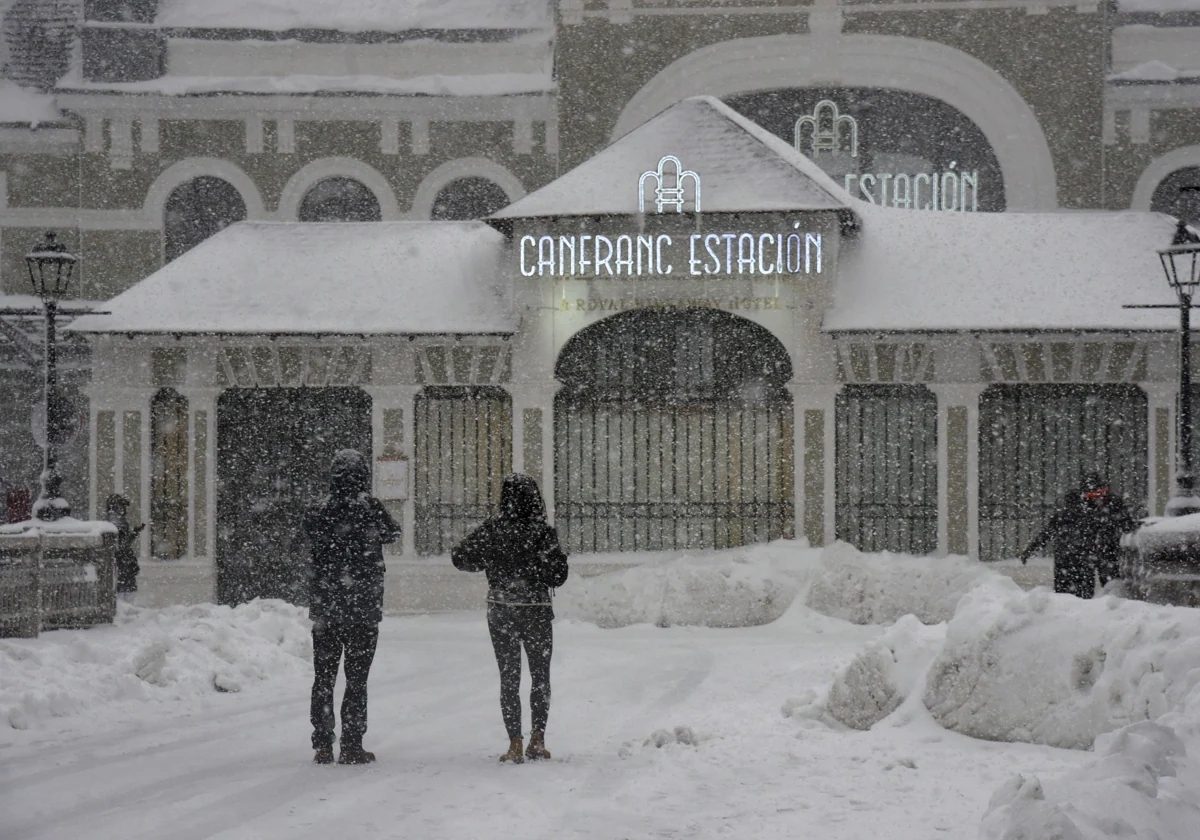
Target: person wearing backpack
{"type": "Point", "coordinates": [520, 553]}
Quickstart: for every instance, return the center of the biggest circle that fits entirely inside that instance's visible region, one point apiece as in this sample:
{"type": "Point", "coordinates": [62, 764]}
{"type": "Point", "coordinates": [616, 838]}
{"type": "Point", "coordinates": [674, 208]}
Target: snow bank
{"type": "Point", "coordinates": [1132, 789]}
{"type": "Point", "coordinates": [151, 655]}
{"type": "Point", "coordinates": [752, 585]}
{"type": "Point", "coordinates": [881, 588]}
{"type": "Point", "coordinates": [1052, 669]}
{"type": "Point", "coordinates": [885, 673]}
{"type": "Point", "coordinates": [739, 587]}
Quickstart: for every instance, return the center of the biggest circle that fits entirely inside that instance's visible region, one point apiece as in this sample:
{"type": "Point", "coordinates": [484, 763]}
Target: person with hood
{"type": "Point", "coordinates": [347, 530]}
{"type": "Point", "coordinates": [520, 553]}
{"type": "Point", "coordinates": [1085, 537]}
{"type": "Point", "coordinates": [116, 509]}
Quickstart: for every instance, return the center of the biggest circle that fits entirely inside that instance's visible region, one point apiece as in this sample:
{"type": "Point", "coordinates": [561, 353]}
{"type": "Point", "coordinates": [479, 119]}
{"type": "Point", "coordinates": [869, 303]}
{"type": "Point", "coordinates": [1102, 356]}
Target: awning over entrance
{"type": "Point", "coordinates": [373, 278]}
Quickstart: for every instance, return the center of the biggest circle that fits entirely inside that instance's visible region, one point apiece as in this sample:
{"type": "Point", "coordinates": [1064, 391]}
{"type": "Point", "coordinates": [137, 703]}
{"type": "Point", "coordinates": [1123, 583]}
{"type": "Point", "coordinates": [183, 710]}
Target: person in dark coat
{"type": "Point", "coordinates": [116, 509]}
{"type": "Point", "coordinates": [347, 530]}
{"type": "Point", "coordinates": [1084, 535]}
{"type": "Point", "coordinates": [520, 553]}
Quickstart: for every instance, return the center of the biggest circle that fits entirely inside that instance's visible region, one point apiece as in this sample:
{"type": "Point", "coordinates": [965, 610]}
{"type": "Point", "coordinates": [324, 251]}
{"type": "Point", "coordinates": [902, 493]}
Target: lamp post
{"type": "Point", "coordinates": [1181, 264]}
{"type": "Point", "coordinates": [50, 268]}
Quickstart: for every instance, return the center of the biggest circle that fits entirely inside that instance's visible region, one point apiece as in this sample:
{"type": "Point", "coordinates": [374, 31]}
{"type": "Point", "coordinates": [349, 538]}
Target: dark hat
{"type": "Point", "coordinates": [116, 501]}
{"type": "Point", "coordinates": [1093, 481]}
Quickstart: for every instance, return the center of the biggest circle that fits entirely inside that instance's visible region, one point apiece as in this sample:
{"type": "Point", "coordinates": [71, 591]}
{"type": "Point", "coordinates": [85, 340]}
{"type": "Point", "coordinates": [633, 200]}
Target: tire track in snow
{"type": "Point", "coordinates": [85, 812]}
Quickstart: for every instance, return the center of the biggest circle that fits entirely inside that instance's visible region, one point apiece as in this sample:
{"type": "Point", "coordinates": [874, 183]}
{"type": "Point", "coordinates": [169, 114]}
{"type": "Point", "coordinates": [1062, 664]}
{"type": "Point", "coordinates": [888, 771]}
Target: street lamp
{"type": "Point", "coordinates": [1181, 264]}
{"type": "Point", "coordinates": [50, 268]}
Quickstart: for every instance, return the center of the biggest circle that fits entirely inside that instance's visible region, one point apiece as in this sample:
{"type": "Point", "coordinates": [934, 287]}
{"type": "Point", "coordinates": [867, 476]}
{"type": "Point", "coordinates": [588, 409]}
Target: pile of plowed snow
{"type": "Point", "coordinates": [752, 585]}
{"type": "Point", "coordinates": [739, 587]}
{"type": "Point", "coordinates": [1120, 677]}
{"type": "Point", "coordinates": [166, 655]}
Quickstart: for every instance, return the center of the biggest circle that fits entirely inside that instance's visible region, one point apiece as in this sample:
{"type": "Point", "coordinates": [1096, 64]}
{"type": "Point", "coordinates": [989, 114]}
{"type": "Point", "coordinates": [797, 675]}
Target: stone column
{"type": "Point", "coordinates": [813, 406]}
{"type": "Point", "coordinates": [958, 468]}
{"type": "Point", "coordinates": [393, 428]}
{"type": "Point", "coordinates": [533, 435]}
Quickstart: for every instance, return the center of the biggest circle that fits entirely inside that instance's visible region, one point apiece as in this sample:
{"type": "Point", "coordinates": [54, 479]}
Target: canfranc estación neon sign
{"type": "Point", "coordinates": [826, 132]}
{"type": "Point", "coordinates": [697, 255]}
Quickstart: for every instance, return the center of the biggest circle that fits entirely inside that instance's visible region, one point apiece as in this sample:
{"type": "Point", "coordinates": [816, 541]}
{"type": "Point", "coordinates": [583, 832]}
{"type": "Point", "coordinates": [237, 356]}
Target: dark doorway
{"type": "Point", "coordinates": [1178, 195]}
{"type": "Point", "coordinates": [274, 446]}
{"type": "Point", "coordinates": [673, 430]}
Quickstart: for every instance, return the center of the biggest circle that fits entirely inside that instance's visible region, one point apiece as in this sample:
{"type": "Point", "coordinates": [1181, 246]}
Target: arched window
{"type": "Point", "coordinates": [196, 210]}
{"type": "Point", "coordinates": [339, 200]}
{"type": "Point", "coordinates": [1179, 195]}
{"type": "Point", "coordinates": [468, 198]}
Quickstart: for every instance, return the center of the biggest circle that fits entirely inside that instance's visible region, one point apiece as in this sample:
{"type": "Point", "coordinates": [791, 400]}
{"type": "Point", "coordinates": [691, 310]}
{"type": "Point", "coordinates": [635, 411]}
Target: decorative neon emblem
{"type": "Point", "coordinates": [669, 185]}
{"type": "Point", "coordinates": [827, 124]}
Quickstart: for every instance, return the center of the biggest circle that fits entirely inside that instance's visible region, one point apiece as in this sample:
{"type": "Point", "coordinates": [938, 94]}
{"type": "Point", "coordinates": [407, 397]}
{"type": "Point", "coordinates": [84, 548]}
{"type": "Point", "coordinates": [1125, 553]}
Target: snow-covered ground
{"type": "Point", "coordinates": [846, 706]}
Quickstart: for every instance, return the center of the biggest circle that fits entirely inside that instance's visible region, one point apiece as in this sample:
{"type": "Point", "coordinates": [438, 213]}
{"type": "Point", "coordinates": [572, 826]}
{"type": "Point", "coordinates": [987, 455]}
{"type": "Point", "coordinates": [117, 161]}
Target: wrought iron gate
{"type": "Point", "coordinates": [1035, 444]}
{"type": "Point", "coordinates": [673, 431]}
{"type": "Point", "coordinates": [463, 451]}
{"type": "Point", "coordinates": [886, 468]}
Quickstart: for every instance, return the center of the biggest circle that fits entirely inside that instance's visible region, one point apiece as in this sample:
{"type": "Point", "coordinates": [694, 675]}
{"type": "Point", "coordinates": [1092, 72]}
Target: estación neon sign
{"type": "Point", "coordinates": [697, 255]}
{"type": "Point", "coordinates": [649, 255]}
{"type": "Point", "coordinates": [827, 131]}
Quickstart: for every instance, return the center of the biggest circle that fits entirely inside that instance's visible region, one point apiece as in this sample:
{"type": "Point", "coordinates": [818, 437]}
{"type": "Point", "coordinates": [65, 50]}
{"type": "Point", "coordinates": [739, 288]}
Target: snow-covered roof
{"type": "Point", "coordinates": [493, 84]}
{"type": "Point", "coordinates": [356, 15]}
{"type": "Point", "coordinates": [932, 270]}
{"type": "Point", "coordinates": [24, 106]}
{"type": "Point", "coordinates": [292, 277]}
{"type": "Point", "coordinates": [1158, 6]}
{"type": "Point", "coordinates": [742, 167]}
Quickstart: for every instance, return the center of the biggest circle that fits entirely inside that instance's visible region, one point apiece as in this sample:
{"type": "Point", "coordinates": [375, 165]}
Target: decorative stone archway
{"type": "Point", "coordinates": [336, 167]}
{"type": "Point", "coordinates": [868, 61]}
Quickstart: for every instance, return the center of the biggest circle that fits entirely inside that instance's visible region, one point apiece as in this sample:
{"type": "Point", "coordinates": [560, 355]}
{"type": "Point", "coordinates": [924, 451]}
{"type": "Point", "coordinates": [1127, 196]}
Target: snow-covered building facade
{"type": "Point", "coordinates": [694, 339]}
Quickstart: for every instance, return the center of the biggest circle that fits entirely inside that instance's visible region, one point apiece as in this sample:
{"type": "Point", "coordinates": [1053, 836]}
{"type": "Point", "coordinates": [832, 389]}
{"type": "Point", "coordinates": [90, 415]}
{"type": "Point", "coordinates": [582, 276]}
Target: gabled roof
{"type": "Point", "coordinates": [742, 167]}
{"type": "Point", "coordinates": [932, 270]}
{"type": "Point", "coordinates": [292, 277]}
{"type": "Point", "coordinates": [355, 15]}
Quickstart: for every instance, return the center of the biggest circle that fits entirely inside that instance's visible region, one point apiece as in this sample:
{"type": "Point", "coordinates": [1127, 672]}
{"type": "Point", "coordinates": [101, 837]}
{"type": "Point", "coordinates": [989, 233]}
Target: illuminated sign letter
{"type": "Point", "coordinates": [527, 240]}
{"type": "Point", "coordinates": [764, 242]}
{"type": "Point", "coordinates": [605, 260]}
{"type": "Point", "coordinates": [546, 255]}
{"type": "Point", "coordinates": [645, 245]}
{"type": "Point", "coordinates": [566, 243]}
{"type": "Point", "coordinates": [746, 252]}
{"type": "Point", "coordinates": [624, 253]}
{"type": "Point", "coordinates": [658, 254]}
{"type": "Point", "coordinates": [669, 180]}
{"type": "Point", "coordinates": [812, 239]}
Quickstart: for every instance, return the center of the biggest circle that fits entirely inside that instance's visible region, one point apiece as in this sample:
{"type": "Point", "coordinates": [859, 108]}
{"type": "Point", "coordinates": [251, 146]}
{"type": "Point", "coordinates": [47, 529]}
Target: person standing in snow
{"type": "Point", "coordinates": [347, 530]}
{"type": "Point", "coordinates": [520, 553]}
{"type": "Point", "coordinates": [116, 508]}
{"type": "Point", "coordinates": [1085, 537]}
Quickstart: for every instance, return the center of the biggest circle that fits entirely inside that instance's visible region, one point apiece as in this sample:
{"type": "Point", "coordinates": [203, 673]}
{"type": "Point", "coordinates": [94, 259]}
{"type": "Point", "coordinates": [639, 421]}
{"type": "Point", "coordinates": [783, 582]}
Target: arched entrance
{"type": "Point", "coordinates": [673, 430]}
{"type": "Point", "coordinates": [168, 476]}
{"type": "Point", "coordinates": [274, 446]}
